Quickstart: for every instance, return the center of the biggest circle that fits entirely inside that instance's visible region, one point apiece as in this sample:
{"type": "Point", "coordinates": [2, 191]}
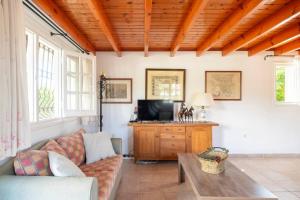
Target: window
{"type": "Point", "coordinates": [79, 84]}
{"type": "Point", "coordinates": [47, 72]}
{"type": "Point", "coordinates": [287, 82]}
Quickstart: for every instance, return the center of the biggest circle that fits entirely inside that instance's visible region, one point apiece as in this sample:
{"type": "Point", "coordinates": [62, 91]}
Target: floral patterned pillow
{"type": "Point", "coordinates": [52, 145]}
{"type": "Point", "coordinates": [73, 146]}
{"type": "Point", "coordinates": [32, 163]}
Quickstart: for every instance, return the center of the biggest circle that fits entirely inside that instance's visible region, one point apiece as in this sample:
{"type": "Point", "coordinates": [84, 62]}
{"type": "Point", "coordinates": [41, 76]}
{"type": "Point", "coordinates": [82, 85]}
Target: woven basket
{"type": "Point", "coordinates": [212, 160]}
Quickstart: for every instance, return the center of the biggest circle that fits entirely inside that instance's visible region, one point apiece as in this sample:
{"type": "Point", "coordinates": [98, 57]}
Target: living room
{"type": "Point", "coordinates": [125, 99]}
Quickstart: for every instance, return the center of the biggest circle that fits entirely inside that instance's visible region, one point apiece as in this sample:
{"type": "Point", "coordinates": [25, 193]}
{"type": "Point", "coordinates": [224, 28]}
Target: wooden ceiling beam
{"type": "Point", "coordinates": [196, 7]}
{"type": "Point", "coordinates": [147, 25]}
{"type": "Point", "coordinates": [235, 17]}
{"type": "Point", "coordinates": [98, 11]}
{"type": "Point", "coordinates": [61, 19]}
{"type": "Point", "coordinates": [289, 47]}
{"type": "Point", "coordinates": [284, 36]}
{"type": "Point", "coordinates": [275, 20]}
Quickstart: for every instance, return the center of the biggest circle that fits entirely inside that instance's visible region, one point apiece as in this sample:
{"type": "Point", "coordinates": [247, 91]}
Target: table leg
{"type": "Point", "coordinates": [181, 174]}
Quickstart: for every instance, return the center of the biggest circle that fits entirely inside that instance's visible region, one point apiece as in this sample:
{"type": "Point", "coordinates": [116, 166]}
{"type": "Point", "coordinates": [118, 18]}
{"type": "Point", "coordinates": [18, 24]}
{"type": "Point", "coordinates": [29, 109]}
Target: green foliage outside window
{"type": "Point", "coordinates": [280, 84]}
{"type": "Point", "coordinates": [46, 102]}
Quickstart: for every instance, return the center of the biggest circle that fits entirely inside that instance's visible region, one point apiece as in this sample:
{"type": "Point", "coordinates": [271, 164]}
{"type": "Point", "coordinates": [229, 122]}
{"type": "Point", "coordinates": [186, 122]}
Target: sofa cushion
{"type": "Point", "coordinates": [52, 145]}
{"type": "Point", "coordinates": [62, 166]}
{"type": "Point", "coordinates": [109, 164]}
{"type": "Point", "coordinates": [97, 146]}
{"type": "Point", "coordinates": [73, 146]}
{"type": "Point", "coordinates": [106, 172]}
{"type": "Point", "coordinates": [32, 163]}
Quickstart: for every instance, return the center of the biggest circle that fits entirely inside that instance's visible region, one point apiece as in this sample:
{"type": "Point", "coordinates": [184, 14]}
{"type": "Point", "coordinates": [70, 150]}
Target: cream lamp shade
{"type": "Point", "coordinates": [203, 100]}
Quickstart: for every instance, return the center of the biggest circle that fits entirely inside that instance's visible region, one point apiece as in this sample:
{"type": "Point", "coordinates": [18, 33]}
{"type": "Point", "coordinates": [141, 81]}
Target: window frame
{"type": "Point", "coordinates": [79, 112]}
{"type": "Point", "coordinates": [283, 64]}
{"type": "Point", "coordinates": [61, 116]}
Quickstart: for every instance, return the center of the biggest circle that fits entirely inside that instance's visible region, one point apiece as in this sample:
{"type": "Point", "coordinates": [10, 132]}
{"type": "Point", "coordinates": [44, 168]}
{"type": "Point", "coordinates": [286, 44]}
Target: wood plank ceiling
{"type": "Point", "coordinates": [185, 25]}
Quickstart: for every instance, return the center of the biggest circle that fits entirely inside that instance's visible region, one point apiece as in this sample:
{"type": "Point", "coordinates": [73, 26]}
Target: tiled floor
{"type": "Point", "coordinates": [159, 181]}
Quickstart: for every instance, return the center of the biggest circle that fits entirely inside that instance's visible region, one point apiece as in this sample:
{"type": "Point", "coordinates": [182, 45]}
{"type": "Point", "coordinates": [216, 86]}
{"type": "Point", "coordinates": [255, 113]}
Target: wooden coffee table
{"type": "Point", "coordinates": [232, 184]}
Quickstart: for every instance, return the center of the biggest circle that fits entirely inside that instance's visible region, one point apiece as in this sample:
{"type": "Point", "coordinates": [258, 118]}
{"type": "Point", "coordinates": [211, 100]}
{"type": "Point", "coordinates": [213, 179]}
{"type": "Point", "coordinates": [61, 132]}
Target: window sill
{"type": "Point", "coordinates": [51, 123]}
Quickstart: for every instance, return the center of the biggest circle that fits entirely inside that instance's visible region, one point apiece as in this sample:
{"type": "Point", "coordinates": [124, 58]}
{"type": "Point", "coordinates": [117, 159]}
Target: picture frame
{"type": "Point", "coordinates": [165, 84]}
{"type": "Point", "coordinates": [118, 91]}
{"type": "Point", "coordinates": [224, 85]}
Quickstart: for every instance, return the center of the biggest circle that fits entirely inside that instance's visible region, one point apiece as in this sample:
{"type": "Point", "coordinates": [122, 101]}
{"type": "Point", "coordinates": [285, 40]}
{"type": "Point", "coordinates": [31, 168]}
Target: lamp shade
{"type": "Point", "coordinates": [203, 100]}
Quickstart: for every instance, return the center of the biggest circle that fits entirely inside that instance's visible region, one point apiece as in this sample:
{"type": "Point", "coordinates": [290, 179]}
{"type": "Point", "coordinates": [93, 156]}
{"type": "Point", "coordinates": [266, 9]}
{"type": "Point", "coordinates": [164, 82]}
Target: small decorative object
{"type": "Point", "coordinates": [203, 101]}
{"type": "Point", "coordinates": [224, 85]}
{"type": "Point", "coordinates": [118, 90]}
{"type": "Point", "coordinates": [213, 160]}
{"type": "Point", "coordinates": [166, 84]}
{"type": "Point", "coordinates": [188, 115]}
{"type": "Point", "coordinates": [102, 85]}
{"type": "Point", "coordinates": [181, 112]}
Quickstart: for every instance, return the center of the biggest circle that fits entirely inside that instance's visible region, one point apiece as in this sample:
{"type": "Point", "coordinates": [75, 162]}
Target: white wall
{"type": "Point", "coordinates": [252, 126]}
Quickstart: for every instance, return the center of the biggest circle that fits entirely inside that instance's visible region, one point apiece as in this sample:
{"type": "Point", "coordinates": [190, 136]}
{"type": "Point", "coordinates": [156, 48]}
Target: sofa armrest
{"type": "Point", "coordinates": [117, 145]}
{"type": "Point", "coordinates": [48, 188]}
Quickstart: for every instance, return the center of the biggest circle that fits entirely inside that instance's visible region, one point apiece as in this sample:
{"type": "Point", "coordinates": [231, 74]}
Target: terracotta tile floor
{"type": "Point", "coordinates": [159, 181]}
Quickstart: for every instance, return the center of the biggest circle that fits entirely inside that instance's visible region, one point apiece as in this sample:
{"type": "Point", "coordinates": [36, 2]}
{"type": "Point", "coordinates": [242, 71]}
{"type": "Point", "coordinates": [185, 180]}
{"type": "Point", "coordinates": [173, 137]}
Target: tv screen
{"type": "Point", "coordinates": [155, 110]}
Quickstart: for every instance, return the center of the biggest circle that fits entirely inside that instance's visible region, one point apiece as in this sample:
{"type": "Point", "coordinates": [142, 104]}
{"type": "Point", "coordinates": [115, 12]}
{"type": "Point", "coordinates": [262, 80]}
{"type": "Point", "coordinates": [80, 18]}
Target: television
{"type": "Point", "coordinates": [155, 110]}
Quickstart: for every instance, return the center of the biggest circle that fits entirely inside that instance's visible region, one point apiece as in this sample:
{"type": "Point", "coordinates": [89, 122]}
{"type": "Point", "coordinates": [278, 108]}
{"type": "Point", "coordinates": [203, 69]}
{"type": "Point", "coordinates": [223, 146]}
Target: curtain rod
{"type": "Point", "coordinates": [52, 24]}
{"type": "Point", "coordinates": [267, 56]}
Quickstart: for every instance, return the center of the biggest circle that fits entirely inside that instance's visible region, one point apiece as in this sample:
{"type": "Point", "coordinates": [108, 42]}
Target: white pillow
{"type": "Point", "coordinates": [62, 166]}
{"type": "Point", "coordinates": [97, 146]}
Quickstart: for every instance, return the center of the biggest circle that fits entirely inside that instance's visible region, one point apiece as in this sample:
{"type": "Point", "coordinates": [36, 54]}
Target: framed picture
{"type": "Point", "coordinates": [118, 90]}
{"type": "Point", "coordinates": [224, 85]}
{"type": "Point", "coordinates": [166, 84]}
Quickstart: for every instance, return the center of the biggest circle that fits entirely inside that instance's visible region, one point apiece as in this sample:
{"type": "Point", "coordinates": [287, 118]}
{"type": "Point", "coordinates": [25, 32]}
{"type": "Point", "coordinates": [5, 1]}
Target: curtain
{"type": "Point", "coordinates": [14, 110]}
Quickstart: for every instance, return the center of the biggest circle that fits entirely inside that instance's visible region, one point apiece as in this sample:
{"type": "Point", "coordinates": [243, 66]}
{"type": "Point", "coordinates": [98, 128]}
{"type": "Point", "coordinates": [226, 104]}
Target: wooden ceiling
{"type": "Point", "coordinates": [179, 25]}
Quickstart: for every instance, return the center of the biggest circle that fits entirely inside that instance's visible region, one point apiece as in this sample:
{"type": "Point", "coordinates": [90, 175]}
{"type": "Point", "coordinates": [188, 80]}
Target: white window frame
{"type": "Point", "coordinates": [79, 111]}
{"type": "Point", "coordinates": [62, 49]}
{"type": "Point", "coordinates": [284, 103]}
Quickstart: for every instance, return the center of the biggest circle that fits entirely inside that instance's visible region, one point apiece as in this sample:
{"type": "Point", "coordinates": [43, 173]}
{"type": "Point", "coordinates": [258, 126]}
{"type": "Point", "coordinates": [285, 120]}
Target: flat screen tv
{"type": "Point", "coordinates": [155, 110]}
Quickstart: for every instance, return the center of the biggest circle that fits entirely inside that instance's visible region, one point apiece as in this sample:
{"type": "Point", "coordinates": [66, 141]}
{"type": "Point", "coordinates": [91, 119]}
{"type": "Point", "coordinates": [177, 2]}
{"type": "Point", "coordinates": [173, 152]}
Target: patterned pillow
{"type": "Point", "coordinates": [32, 163]}
{"type": "Point", "coordinates": [73, 146]}
{"type": "Point", "coordinates": [52, 145]}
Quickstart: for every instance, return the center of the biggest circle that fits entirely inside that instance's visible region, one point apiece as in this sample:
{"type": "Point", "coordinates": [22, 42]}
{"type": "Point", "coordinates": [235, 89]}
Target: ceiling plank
{"type": "Point", "coordinates": [98, 11]}
{"type": "Point", "coordinates": [289, 47]}
{"type": "Point", "coordinates": [147, 25]}
{"type": "Point", "coordinates": [284, 36]}
{"type": "Point", "coordinates": [237, 15]}
{"type": "Point", "coordinates": [61, 19]}
{"type": "Point", "coordinates": [277, 19]}
{"type": "Point", "coordinates": [196, 7]}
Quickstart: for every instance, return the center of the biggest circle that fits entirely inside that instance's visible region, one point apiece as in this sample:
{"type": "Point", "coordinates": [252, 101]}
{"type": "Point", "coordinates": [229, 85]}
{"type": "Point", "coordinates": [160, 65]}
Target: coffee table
{"type": "Point", "coordinates": [232, 184]}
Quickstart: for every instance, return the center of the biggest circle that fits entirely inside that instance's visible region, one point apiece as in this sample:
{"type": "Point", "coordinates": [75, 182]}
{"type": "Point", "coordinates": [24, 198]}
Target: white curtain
{"type": "Point", "coordinates": [14, 116]}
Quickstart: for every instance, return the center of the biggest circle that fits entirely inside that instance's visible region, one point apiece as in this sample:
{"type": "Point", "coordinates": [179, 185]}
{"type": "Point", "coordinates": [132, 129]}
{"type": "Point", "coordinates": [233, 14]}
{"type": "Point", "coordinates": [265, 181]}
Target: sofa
{"type": "Point", "coordinates": [101, 181]}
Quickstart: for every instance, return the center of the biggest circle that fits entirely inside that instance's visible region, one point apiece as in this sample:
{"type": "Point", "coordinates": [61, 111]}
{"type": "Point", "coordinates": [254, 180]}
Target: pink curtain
{"type": "Point", "coordinates": [14, 116]}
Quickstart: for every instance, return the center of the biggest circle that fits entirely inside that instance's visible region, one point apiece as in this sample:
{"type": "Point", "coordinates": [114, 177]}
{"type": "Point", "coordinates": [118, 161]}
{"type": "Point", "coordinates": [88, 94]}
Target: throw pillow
{"type": "Point", "coordinates": [52, 145]}
{"type": "Point", "coordinates": [32, 163]}
{"type": "Point", "coordinates": [98, 146]}
{"type": "Point", "coordinates": [62, 166]}
{"type": "Point", "coordinates": [73, 146]}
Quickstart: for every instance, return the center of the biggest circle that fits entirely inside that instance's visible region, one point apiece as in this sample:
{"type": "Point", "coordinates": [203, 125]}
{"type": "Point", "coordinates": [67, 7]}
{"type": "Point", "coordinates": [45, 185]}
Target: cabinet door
{"type": "Point", "coordinates": [146, 142]}
{"type": "Point", "coordinates": [198, 139]}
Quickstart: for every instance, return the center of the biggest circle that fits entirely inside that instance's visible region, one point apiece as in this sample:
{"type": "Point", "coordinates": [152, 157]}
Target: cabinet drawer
{"type": "Point", "coordinates": [175, 145]}
{"type": "Point", "coordinates": [175, 136]}
{"type": "Point", "coordinates": [172, 129]}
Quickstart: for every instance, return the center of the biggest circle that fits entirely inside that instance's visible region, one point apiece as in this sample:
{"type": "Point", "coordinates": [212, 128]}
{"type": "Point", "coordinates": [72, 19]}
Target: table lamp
{"type": "Point", "coordinates": [203, 101]}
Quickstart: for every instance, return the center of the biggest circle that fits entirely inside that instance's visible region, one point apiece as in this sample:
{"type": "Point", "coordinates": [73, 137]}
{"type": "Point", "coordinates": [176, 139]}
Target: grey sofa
{"type": "Point", "coordinates": [14, 187]}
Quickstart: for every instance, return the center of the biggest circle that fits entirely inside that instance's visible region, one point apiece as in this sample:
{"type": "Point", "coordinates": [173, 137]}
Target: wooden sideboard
{"type": "Point", "coordinates": [162, 141]}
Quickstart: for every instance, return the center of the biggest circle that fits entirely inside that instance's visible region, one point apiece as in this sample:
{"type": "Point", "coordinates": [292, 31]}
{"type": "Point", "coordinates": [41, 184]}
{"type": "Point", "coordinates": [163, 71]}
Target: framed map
{"type": "Point", "coordinates": [224, 85]}
{"type": "Point", "coordinates": [166, 84]}
{"type": "Point", "coordinates": [118, 90]}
